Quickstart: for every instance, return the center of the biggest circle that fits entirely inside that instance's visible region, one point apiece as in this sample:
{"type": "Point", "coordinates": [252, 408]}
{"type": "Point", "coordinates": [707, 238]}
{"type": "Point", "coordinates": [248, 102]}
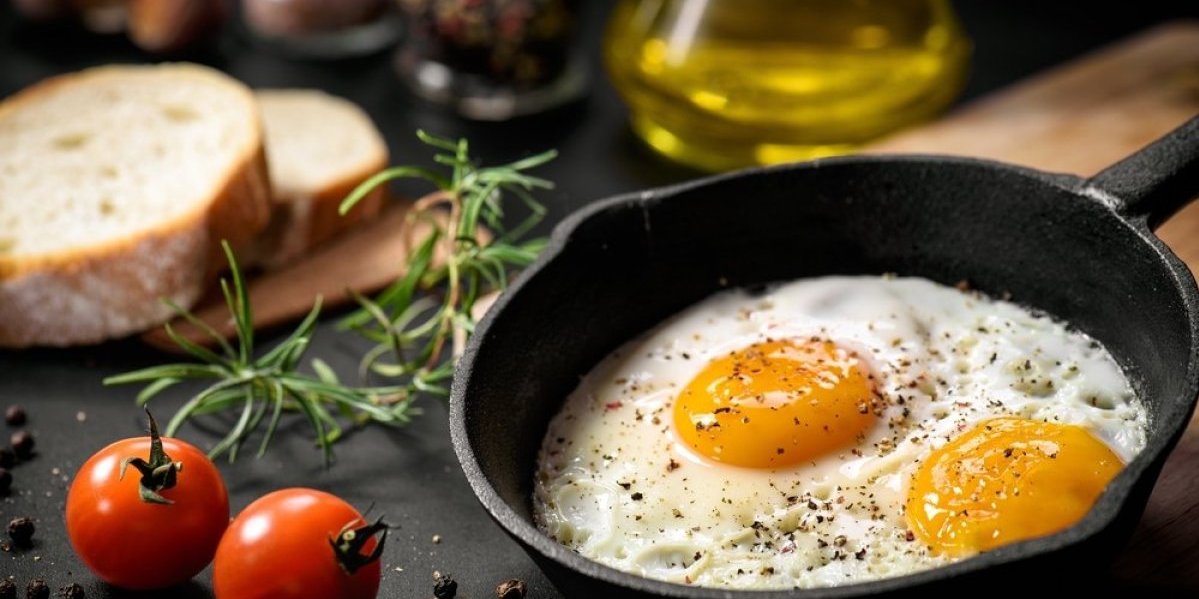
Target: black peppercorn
{"type": "Point", "coordinates": [5, 481]}
{"type": "Point", "coordinates": [444, 586]}
{"type": "Point", "coordinates": [22, 444]}
{"type": "Point", "coordinates": [20, 530]}
{"type": "Point", "coordinates": [511, 589]}
{"type": "Point", "coordinates": [8, 459]}
{"type": "Point", "coordinates": [71, 591]}
{"type": "Point", "coordinates": [37, 589]}
{"type": "Point", "coordinates": [15, 415]}
{"type": "Point", "coordinates": [8, 589]}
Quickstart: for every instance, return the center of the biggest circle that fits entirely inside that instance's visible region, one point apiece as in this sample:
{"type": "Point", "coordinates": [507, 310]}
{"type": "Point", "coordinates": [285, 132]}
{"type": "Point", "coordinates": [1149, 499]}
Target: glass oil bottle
{"type": "Point", "coordinates": [721, 84]}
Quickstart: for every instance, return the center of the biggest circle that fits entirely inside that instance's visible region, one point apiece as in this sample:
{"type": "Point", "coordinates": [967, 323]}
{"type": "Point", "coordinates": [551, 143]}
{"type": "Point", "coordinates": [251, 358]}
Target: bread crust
{"type": "Point", "coordinates": [302, 222]}
{"type": "Point", "coordinates": [304, 219]}
{"type": "Point", "coordinates": [113, 289]}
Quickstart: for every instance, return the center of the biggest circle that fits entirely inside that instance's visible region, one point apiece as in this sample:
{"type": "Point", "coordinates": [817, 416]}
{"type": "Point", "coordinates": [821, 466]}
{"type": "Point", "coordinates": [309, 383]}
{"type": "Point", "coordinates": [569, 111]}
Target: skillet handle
{"type": "Point", "coordinates": [1155, 182]}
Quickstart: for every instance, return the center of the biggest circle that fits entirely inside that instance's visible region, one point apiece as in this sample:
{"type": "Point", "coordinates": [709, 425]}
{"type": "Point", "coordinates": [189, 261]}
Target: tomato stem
{"type": "Point", "coordinates": [158, 474]}
{"type": "Point", "coordinates": [347, 546]}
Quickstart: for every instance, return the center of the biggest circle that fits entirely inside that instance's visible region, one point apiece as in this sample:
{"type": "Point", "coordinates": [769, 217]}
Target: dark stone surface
{"type": "Point", "coordinates": [410, 474]}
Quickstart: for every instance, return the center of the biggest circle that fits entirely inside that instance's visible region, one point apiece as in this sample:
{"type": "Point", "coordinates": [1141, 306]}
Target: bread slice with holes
{"type": "Point", "coordinates": [116, 186]}
{"type": "Point", "coordinates": [319, 147]}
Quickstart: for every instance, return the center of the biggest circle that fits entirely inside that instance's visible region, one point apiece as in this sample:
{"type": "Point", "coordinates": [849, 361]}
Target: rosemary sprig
{"type": "Point", "coordinates": [411, 331]}
{"type": "Point", "coordinates": [412, 321]}
{"type": "Point", "coordinates": [263, 387]}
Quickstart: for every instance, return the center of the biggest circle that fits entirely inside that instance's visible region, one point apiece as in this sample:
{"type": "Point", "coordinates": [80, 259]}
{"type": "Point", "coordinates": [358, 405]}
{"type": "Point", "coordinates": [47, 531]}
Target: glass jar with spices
{"type": "Point", "coordinates": [491, 59]}
{"type": "Point", "coordinates": [721, 84]}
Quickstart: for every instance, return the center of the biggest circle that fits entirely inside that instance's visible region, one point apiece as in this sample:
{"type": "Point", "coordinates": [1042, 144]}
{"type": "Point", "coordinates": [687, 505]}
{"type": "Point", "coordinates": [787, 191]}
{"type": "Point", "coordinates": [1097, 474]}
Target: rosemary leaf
{"type": "Point", "coordinates": [155, 388]}
{"type": "Point", "coordinates": [174, 371]}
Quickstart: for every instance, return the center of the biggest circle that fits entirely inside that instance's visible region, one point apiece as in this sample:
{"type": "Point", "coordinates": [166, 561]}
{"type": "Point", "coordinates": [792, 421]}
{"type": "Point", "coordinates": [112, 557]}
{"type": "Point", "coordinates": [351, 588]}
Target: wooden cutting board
{"type": "Point", "coordinates": [369, 259]}
{"type": "Point", "coordinates": [1079, 118]}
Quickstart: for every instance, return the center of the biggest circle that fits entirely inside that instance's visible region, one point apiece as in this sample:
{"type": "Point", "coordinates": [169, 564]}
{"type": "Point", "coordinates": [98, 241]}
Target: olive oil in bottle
{"type": "Point", "coordinates": [720, 84]}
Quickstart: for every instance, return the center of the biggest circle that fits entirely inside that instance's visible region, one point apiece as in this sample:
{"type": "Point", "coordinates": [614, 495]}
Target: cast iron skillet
{"type": "Point", "coordinates": [1079, 249]}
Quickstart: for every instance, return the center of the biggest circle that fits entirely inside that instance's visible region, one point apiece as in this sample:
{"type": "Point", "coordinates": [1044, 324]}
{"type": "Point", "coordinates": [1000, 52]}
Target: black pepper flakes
{"type": "Point", "coordinates": [71, 591]}
{"type": "Point", "coordinates": [22, 444]}
{"type": "Point", "coordinates": [21, 530]}
{"type": "Point", "coordinates": [444, 586]}
{"type": "Point", "coordinates": [637, 496]}
{"type": "Point", "coordinates": [15, 415]}
{"type": "Point", "coordinates": [8, 589]}
{"type": "Point", "coordinates": [37, 589]}
{"type": "Point", "coordinates": [511, 589]}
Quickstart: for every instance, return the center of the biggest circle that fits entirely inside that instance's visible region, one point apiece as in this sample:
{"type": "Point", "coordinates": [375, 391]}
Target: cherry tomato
{"type": "Point", "coordinates": [299, 543]}
{"type": "Point", "coordinates": [147, 524]}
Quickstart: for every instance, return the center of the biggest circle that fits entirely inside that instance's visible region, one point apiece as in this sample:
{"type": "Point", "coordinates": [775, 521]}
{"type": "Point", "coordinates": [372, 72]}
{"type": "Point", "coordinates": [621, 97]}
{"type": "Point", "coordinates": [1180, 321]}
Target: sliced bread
{"type": "Point", "coordinates": [319, 147]}
{"type": "Point", "coordinates": [116, 186]}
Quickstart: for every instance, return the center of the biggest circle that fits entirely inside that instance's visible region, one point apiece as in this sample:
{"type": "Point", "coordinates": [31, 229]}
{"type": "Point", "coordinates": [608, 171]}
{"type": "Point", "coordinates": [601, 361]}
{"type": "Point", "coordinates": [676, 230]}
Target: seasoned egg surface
{"type": "Point", "coordinates": [831, 431]}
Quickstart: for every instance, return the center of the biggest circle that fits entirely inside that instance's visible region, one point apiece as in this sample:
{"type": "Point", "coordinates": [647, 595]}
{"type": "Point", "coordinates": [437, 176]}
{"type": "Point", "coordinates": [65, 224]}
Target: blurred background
{"type": "Point", "coordinates": [378, 53]}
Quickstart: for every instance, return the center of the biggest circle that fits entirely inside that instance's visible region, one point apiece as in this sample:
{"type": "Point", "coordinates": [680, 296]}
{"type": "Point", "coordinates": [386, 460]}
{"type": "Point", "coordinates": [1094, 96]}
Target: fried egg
{"type": "Point", "coordinates": [832, 431]}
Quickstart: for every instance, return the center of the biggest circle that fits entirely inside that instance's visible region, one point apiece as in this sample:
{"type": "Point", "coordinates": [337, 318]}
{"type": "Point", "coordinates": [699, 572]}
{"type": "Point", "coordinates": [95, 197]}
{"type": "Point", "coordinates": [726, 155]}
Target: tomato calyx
{"type": "Point", "coordinates": [348, 544]}
{"type": "Point", "coordinates": [159, 473]}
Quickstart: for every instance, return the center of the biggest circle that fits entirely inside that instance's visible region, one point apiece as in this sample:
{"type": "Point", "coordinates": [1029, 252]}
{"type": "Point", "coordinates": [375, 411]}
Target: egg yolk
{"type": "Point", "coordinates": [775, 404]}
{"type": "Point", "coordinates": [1007, 480]}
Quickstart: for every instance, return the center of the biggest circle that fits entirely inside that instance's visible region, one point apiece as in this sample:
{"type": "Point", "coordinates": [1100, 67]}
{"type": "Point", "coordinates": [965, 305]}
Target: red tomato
{"type": "Point", "coordinates": [299, 543]}
{"type": "Point", "coordinates": [140, 544]}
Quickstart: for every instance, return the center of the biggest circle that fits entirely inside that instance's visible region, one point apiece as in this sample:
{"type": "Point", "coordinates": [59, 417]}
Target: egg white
{"type": "Point", "coordinates": [616, 485]}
